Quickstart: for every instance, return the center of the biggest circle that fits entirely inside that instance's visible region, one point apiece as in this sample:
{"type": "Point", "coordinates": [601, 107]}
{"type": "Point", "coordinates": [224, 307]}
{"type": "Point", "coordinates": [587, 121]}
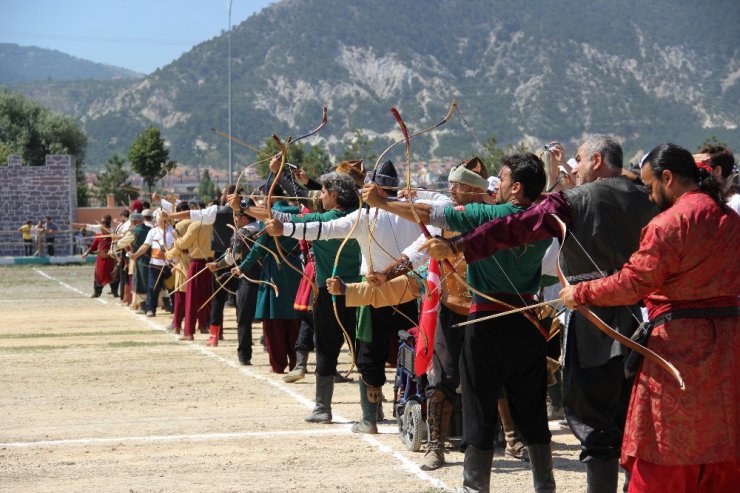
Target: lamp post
{"type": "Point", "coordinates": [231, 176]}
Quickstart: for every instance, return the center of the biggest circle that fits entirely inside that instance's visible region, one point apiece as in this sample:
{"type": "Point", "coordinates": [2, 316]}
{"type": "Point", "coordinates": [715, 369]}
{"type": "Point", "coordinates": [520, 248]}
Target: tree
{"type": "Point", "coordinates": [295, 156]}
{"type": "Point", "coordinates": [115, 180]}
{"type": "Point", "coordinates": [206, 187]}
{"type": "Point", "coordinates": [149, 157]}
{"type": "Point", "coordinates": [317, 162]}
{"type": "Point", "coordinates": [359, 148]}
{"type": "Point", "coordinates": [493, 154]}
{"type": "Point", "coordinates": [712, 140]}
{"type": "Point", "coordinates": [31, 130]}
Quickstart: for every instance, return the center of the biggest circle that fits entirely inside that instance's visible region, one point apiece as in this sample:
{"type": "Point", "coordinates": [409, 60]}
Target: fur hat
{"type": "Point", "coordinates": [354, 169]}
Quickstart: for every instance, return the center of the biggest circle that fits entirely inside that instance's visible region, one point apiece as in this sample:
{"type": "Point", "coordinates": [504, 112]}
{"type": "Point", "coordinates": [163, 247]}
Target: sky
{"type": "Point", "coordinates": [140, 35]}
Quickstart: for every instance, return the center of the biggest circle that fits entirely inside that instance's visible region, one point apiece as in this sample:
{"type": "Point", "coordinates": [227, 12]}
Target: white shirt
{"type": "Point", "coordinates": [205, 216]}
{"type": "Point", "coordinates": [160, 245]}
{"type": "Point", "coordinates": [390, 233]}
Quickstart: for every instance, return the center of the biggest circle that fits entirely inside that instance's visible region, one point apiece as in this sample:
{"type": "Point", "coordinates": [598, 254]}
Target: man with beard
{"type": "Point", "coordinates": [681, 440]}
{"type": "Point", "coordinates": [604, 213]}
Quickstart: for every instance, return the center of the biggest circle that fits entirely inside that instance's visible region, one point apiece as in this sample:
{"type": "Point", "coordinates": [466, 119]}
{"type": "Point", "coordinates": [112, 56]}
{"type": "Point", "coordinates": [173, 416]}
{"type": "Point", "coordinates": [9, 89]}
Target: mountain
{"type": "Point", "coordinates": [648, 72]}
{"type": "Point", "coordinates": [29, 63]}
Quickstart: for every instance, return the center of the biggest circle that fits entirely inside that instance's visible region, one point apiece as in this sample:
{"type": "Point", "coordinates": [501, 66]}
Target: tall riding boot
{"type": "Point", "coordinates": [213, 340]}
{"type": "Point", "coordinates": [435, 450]}
{"type": "Point", "coordinates": [324, 391]}
{"type": "Point", "coordinates": [477, 470]}
{"type": "Point", "coordinates": [540, 458]}
{"type": "Point", "coordinates": [514, 445]}
{"type": "Point", "coordinates": [602, 475]}
{"type": "Point", "coordinates": [299, 370]}
{"type": "Point", "coordinates": [369, 422]}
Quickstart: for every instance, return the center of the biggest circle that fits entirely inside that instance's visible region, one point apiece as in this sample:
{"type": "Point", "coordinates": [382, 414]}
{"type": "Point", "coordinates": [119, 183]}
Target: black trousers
{"type": "Point", "coordinates": [327, 332]}
{"type": "Point", "coordinates": [28, 247]}
{"type": "Point", "coordinates": [122, 275]}
{"type": "Point", "coordinates": [386, 323]}
{"type": "Point", "coordinates": [50, 246]}
{"type": "Point", "coordinates": [305, 332]}
{"type": "Point", "coordinates": [448, 344]}
{"type": "Point", "coordinates": [246, 302]}
{"type": "Point", "coordinates": [595, 402]}
{"type": "Point", "coordinates": [219, 300]}
{"type": "Point", "coordinates": [506, 352]}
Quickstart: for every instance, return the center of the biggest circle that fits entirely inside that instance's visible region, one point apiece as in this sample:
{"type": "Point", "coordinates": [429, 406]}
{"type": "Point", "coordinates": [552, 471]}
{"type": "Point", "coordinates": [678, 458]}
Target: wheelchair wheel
{"type": "Point", "coordinates": [412, 427]}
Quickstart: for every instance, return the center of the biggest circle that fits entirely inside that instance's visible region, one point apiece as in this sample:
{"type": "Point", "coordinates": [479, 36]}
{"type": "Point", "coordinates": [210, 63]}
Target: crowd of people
{"type": "Point", "coordinates": [39, 239]}
{"type": "Point", "coordinates": [346, 259]}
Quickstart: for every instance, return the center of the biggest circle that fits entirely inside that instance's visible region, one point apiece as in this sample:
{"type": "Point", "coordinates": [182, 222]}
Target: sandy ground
{"type": "Point", "coordinates": [96, 398]}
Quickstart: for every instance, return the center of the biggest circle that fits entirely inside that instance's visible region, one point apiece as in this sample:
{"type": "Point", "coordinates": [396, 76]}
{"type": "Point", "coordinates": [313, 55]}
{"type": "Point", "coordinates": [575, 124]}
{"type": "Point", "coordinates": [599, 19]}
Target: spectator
{"type": "Point", "coordinates": [40, 239]}
{"type": "Point", "coordinates": [27, 238]}
{"type": "Point", "coordinates": [51, 228]}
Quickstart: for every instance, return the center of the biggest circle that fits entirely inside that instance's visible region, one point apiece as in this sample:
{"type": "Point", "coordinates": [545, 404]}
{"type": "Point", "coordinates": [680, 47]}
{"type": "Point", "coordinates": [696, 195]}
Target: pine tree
{"type": "Point", "coordinates": [115, 180]}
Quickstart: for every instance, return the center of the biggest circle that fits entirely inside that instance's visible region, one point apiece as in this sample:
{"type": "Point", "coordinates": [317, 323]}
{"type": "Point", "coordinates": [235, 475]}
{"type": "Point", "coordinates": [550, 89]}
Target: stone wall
{"type": "Point", "coordinates": [32, 193]}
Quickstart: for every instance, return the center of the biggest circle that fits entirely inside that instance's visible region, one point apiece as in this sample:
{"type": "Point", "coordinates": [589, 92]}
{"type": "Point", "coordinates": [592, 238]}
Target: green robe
{"type": "Point", "coordinates": [270, 306]}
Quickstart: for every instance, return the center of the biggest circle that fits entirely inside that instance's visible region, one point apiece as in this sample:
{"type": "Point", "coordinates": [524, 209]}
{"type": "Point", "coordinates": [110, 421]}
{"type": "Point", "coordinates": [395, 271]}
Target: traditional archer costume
{"type": "Point", "coordinates": [605, 218]}
{"type": "Point", "coordinates": [688, 273]}
{"type": "Point", "coordinates": [279, 318]}
{"type": "Point", "coordinates": [104, 263]}
{"type": "Point", "coordinates": [382, 236]}
{"type": "Point", "coordinates": [328, 334]}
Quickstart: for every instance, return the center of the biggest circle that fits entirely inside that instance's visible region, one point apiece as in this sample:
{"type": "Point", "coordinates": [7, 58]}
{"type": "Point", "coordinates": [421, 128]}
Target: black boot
{"type": "Point", "coordinates": [369, 422]}
{"type": "Point", "coordinates": [540, 458]}
{"type": "Point", "coordinates": [324, 392]}
{"type": "Point", "coordinates": [602, 475]}
{"type": "Point", "coordinates": [477, 470]}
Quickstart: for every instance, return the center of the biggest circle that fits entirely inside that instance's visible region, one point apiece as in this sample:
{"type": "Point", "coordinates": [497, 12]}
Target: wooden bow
{"type": "Point", "coordinates": [283, 156]}
{"type": "Point", "coordinates": [606, 329]}
{"type": "Point", "coordinates": [428, 235]}
{"type": "Point", "coordinates": [345, 332]}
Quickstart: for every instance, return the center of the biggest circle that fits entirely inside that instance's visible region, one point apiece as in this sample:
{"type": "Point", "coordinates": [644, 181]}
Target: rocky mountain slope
{"type": "Point", "coordinates": [649, 72]}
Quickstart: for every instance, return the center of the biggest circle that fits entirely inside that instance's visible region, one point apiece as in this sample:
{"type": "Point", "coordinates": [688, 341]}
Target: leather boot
{"type": "Point", "coordinates": [602, 475]}
{"type": "Point", "coordinates": [434, 455]}
{"type": "Point", "coordinates": [514, 445]}
{"type": "Point", "coordinates": [369, 422]}
{"type": "Point", "coordinates": [540, 457]}
{"type": "Point", "coordinates": [299, 370]}
{"type": "Point", "coordinates": [213, 340]}
{"type": "Point", "coordinates": [324, 391]}
{"type": "Point", "coordinates": [477, 470]}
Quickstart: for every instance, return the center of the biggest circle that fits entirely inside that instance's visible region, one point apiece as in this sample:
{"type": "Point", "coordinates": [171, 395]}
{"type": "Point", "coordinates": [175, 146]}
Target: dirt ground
{"type": "Point", "coordinates": [96, 398]}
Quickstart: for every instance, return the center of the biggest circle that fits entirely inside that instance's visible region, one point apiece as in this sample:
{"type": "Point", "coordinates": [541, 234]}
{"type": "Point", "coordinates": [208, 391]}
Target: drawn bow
{"type": "Point", "coordinates": [428, 235]}
{"type": "Point", "coordinates": [606, 329]}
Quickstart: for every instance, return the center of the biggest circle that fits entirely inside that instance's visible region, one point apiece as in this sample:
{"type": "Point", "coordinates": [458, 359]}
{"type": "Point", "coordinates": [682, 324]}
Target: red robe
{"type": "Point", "coordinates": [688, 258]}
{"type": "Point", "coordinates": [104, 264]}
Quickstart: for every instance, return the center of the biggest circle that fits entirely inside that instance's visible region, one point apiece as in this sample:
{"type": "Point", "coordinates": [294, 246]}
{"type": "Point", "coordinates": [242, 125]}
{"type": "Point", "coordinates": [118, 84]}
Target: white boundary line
{"type": "Point", "coordinates": [184, 438]}
{"type": "Point", "coordinates": [407, 464]}
{"type": "Point", "coordinates": [44, 274]}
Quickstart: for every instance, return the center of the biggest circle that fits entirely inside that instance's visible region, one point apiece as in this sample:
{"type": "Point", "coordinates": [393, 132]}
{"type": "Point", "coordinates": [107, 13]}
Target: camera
{"type": "Point", "coordinates": [551, 145]}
